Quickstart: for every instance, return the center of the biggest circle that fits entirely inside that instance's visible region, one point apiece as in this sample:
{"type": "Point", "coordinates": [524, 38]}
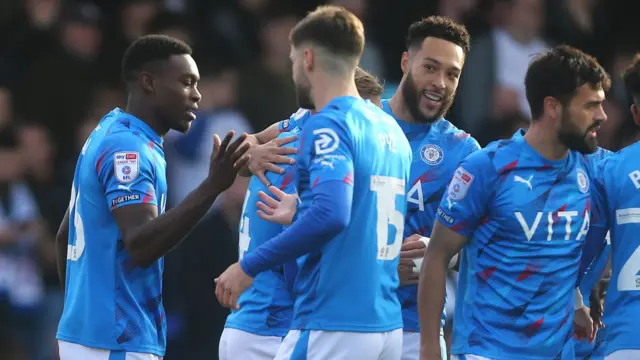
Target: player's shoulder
{"type": "Point", "coordinates": [453, 137]}
{"type": "Point", "coordinates": [620, 160]}
{"type": "Point", "coordinates": [495, 157]}
{"type": "Point", "coordinates": [119, 136]}
{"type": "Point", "coordinates": [292, 123]}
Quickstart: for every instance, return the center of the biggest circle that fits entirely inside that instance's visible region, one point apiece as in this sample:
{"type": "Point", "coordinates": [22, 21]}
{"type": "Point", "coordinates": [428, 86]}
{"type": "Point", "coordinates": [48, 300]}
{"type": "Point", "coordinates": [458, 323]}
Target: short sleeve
{"type": "Point", "coordinates": [126, 172]}
{"type": "Point", "coordinates": [327, 151]}
{"type": "Point", "coordinates": [466, 200]}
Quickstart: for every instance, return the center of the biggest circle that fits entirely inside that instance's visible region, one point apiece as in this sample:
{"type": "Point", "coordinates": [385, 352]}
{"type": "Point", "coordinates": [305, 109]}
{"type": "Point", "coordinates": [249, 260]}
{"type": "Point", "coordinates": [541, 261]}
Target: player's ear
{"type": "Point", "coordinates": [309, 60]}
{"type": "Point", "coordinates": [404, 62]}
{"type": "Point", "coordinates": [146, 81]}
{"type": "Point", "coordinates": [636, 114]}
{"type": "Point", "coordinates": [552, 107]}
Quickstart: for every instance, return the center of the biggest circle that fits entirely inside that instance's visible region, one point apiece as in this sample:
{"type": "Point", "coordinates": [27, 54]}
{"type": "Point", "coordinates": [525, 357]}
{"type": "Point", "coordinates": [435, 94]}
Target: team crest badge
{"type": "Point", "coordinates": [431, 154]}
{"type": "Point", "coordinates": [126, 166]}
{"type": "Point", "coordinates": [583, 180]}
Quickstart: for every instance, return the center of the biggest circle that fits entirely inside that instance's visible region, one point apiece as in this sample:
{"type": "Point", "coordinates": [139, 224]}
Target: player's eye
{"type": "Point", "coordinates": [429, 67]}
{"type": "Point", "coordinates": [454, 75]}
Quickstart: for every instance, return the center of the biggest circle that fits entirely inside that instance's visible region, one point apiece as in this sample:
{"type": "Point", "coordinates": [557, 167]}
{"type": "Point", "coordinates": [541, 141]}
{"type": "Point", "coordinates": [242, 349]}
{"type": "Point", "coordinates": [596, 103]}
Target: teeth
{"type": "Point", "coordinates": [432, 97]}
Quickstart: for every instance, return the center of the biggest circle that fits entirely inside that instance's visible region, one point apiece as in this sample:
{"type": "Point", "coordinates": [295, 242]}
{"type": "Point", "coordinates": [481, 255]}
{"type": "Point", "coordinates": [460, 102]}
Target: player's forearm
{"type": "Point", "coordinates": [268, 134]}
{"type": "Point", "coordinates": [154, 238]}
{"type": "Point", "coordinates": [431, 294]}
{"type": "Point", "coordinates": [328, 215]}
{"type": "Point", "coordinates": [62, 240]}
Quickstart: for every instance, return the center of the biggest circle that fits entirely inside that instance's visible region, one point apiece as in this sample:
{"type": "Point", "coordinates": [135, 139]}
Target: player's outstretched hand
{"type": "Point", "coordinates": [584, 328]}
{"type": "Point", "coordinates": [265, 157]}
{"type": "Point", "coordinates": [280, 210]}
{"type": "Point", "coordinates": [231, 284]}
{"type": "Point", "coordinates": [412, 249]}
{"type": "Point", "coordinates": [227, 159]}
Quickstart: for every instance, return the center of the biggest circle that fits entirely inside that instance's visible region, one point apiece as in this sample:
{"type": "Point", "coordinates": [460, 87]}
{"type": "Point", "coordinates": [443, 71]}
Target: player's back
{"type": "Point", "coordinates": [110, 303]}
{"type": "Point", "coordinates": [266, 308]}
{"type": "Point", "coordinates": [350, 284]}
{"type": "Point", "coordinates": [438, 148]}
{"type": "Point", "coordinates": [527, 218]}
{"type": "Point", "coordinates": [618, 177]}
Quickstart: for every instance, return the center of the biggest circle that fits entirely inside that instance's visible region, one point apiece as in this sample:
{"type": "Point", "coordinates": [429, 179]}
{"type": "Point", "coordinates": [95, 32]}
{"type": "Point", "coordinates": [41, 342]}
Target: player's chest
{"type": "Point", "coordinates": [543, 205]}
{"type": "Point", "coordinates": [431, 171]}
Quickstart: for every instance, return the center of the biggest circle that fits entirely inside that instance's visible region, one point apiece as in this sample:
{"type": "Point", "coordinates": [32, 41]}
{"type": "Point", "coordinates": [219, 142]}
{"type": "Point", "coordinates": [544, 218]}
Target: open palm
{"type": "Point", "coordinates": [278, 210]}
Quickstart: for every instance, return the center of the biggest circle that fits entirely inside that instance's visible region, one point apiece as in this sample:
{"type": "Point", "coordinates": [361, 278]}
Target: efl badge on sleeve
{"type": "Point", "coordinates": [126, 166]}
{"type": "Point", "coordinates": [460, 184]}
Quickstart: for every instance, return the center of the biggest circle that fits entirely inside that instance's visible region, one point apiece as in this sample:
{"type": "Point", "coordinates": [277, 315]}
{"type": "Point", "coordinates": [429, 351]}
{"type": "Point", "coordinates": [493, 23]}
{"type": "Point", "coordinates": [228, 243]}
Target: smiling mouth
{"type": "Point", "coordinates": [436, 98]}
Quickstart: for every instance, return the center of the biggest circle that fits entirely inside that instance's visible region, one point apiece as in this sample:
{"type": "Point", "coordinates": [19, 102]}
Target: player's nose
{"type": "Point", "coordinates": [195, 95]}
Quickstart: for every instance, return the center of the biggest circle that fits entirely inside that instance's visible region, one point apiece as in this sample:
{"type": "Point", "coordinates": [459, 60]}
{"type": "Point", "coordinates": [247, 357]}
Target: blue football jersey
{"type": "Point", "coordinates": [438, 149]}
{"type": "Point", "coordinates": [266, 308]}
{"type": "Point", "coordinates": [350, 283]}
{"type": "Point", "coordinates": [526, 218]}
{"type": "Point", "coordinates": [617, 201]}
{"type": "Point", "coordinates": [110, 303]}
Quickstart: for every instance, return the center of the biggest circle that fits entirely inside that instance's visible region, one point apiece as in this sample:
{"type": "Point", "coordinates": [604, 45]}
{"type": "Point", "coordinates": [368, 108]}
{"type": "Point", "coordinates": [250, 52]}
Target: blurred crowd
{"type": "Point", "coordinates": [60, 72]}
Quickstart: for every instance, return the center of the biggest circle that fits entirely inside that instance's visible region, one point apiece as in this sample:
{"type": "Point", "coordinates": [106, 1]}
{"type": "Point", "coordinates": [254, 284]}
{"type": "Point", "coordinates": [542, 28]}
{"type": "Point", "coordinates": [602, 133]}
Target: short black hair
{"type": "Point", "coordinates": [631, 78]}
{"type": "Point", "coordinates": [440, 27]}
{"type": "Point", "coordinates": [559, 73]}
{"type": "Point", "coordinates": [147, 49]}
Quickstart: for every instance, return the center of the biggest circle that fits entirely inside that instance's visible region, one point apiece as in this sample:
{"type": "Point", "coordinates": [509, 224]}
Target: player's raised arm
{"type": "Point", "coordinates": [328, 160]}
{"type": "Point", "coordinates": [461, 210]}
{"type": "Point", "coordinates": [148, 236]}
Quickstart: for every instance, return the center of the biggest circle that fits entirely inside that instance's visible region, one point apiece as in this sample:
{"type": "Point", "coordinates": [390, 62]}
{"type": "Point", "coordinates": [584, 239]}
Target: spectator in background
{"type": "Point", "coordinates": [491, 93]}
{"type": "Point", "coordinates": [21, 288]}
{"type": "Point", "coordinates": [60, 103]}
{"type": "Point", "coordinates": [266, 92]}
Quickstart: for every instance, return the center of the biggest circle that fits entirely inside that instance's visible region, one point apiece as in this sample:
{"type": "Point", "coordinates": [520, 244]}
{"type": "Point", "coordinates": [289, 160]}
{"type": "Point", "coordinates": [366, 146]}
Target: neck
{"type": "Point", "coordinates": [398, 107]}
{"type": "Point", "coordinates": [134, 107]}
{"type": "Point", "coordinates": [545, 142]}
{"type": "Point", "coordinates": [328, 88]}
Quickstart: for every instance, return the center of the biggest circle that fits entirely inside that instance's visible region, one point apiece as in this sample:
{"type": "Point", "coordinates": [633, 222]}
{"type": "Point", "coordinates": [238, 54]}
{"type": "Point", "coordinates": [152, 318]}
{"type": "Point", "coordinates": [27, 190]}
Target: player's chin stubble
{"type": "Point", "coordinates": [412, 102]}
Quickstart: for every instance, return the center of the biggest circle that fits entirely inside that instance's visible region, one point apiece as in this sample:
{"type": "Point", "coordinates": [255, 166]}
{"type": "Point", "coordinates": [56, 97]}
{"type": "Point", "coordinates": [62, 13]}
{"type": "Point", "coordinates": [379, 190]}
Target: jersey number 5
{"type": "Point", "coordinates": [386, 189]}
{"type": "Point", "coordinates": [74, 252]}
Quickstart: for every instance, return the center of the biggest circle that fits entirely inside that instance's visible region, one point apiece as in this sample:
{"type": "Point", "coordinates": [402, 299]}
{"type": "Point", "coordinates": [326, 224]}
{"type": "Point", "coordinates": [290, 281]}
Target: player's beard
{"type": "Point", "coordinates": [303, 95]}
{"type": "Point", "coordinates": [575, 139]}
{"type": "Point", "coordinates": [412, 101]}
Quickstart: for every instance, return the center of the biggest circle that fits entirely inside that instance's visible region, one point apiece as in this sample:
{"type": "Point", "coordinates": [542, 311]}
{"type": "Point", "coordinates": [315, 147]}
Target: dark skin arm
{"type": "Point", "coordinates": [148, 236]}
{"type": "Point", "coordinates": [62, 240]}
{"type": "Point", "coordinates": [443, 245]}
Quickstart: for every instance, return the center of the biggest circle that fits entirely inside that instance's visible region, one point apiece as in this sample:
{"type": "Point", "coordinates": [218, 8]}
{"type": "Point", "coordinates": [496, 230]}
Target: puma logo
{"type": "Point", "coordinates": [527, 182]}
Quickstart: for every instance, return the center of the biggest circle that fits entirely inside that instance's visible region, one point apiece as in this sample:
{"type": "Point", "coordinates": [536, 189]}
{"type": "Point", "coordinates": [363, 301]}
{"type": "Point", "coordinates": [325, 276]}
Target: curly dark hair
{"type": "Point", "coordinates": [559, 73]}
{"type": "Point", "coordinates": [148, 49]}
{"type": "Point", "coordinates": [440, 27]}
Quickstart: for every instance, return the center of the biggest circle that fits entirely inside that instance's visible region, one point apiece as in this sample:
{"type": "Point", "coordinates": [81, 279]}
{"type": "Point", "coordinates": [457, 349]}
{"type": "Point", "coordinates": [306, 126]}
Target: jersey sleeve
{"type": "Point", "coordinates": [327, 151]}
{"type": "Point", "coordinates": [126, 172]}
{"type": "Point", "coordinates": [596, 240]}
{"type": "Point", "coordinates": [466, 200]}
